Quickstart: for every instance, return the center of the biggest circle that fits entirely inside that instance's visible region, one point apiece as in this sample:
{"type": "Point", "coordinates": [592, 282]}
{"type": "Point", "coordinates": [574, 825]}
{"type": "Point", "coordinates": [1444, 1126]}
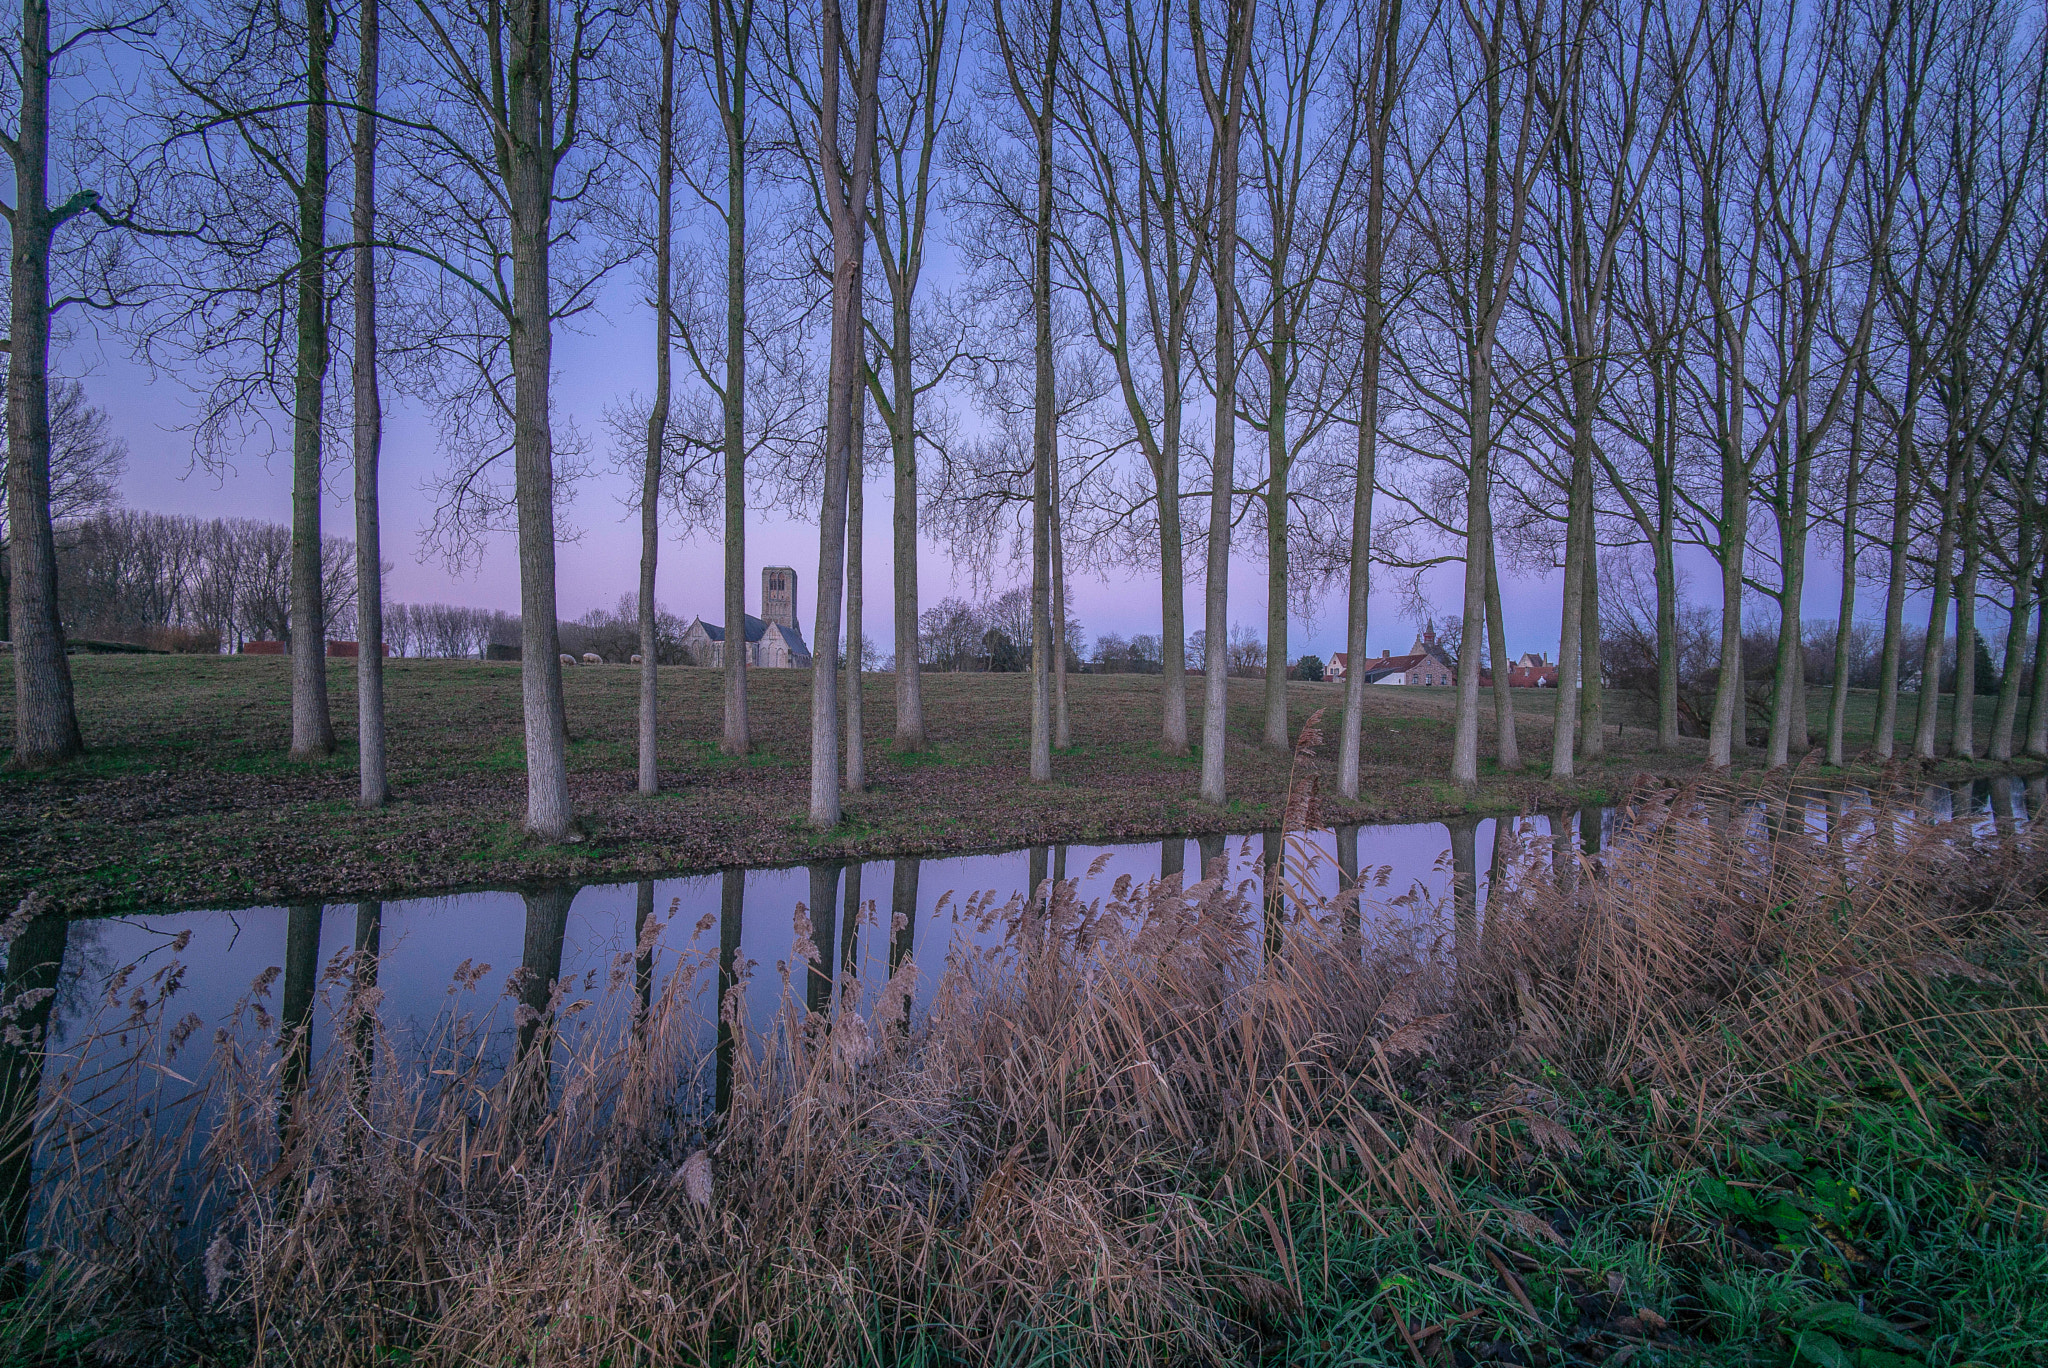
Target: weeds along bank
{"type": "Point", "coordinates": [1749, 1085]}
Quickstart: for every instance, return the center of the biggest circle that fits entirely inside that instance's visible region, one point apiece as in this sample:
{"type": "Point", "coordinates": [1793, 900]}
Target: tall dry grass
{"type": "Point", "coordinates": [1088, 1148]}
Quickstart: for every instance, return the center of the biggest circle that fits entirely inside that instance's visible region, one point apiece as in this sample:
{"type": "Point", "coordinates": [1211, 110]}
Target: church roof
{"type": "Point", "coordinates": [756, 629]}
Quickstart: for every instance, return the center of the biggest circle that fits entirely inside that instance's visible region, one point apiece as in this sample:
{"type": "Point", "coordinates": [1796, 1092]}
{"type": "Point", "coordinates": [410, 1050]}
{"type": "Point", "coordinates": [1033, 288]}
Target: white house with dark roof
{"type": "Point", "coordinates": [1425, 663]}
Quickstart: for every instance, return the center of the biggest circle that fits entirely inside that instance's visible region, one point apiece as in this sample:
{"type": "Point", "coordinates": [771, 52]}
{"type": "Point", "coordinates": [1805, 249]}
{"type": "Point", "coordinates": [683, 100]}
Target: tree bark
{"type": "Point", "coordinates": [1226, 117]}
{"type": "Point", "coordinates": [45, 716]}
{"type": "Point", "coordinates": [1926, 717]}
{"type": "Point", "coordinates": [2006, 714]}
{"type": "Point", "coordinates": [1383, 77]}
{"type": "Point", "coordinates": [1570, 658]}
{"type": "Point", "coordinates": [375, 786]}
{"type": "Point", "coordinates": [529, 155]}
{"type": "Point", "coordinates": [1963, 725]}
{"type": "Point", "coordinates": [910, 729]}
{"type": "Point", "coordinates": [312, 725]}
{"type": "Point", "coordinates": [1592, 700]}
{"type": "Point", "coordinates": [657, 417]}
{"type": "Point", "coordinates": [1062, 724]}
{"type": "Point", "coordinates": [1506, 745]}
{"type": "Point", "coordinates": [856, 583]}
{"type": "Point", "coordinates": [1885, 724]}
{"type": "Point", "coordinates": [1788, 697]}
{"type": "Point", "coordinates": [2037, 703]}
{"type": "Point", "coordinates": [732, 112]}
{"type": "Point", "coordinates": [846, 195]}
{"type": "Point", "coordinates": [1276, 737]}
{"type": "Point", "coordinates": [1845, 613]}
{"type": "Point", "coordinates": [1042, 645]}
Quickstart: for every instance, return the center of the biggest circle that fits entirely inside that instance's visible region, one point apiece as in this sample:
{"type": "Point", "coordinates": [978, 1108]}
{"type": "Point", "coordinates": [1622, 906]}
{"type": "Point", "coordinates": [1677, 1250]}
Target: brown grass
{"type": "Point", "coordinates": [1108, 1141]}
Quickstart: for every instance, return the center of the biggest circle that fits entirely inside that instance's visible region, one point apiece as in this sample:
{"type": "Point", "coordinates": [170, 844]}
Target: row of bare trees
{"type": "Point", "coordinates": [1516, 288]}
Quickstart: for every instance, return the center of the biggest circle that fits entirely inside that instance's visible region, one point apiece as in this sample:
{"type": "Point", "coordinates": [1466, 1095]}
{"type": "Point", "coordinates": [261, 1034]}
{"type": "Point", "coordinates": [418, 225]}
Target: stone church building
{"type": "Point", "coordinates": [774, 641]}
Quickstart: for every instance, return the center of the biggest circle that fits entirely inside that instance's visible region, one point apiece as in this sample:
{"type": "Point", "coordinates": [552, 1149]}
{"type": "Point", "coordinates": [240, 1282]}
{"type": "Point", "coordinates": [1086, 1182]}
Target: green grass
{"type": "Point", "coordinates": [187, 795]}
{"type": "Point", "coordinates": [1852, 1223]}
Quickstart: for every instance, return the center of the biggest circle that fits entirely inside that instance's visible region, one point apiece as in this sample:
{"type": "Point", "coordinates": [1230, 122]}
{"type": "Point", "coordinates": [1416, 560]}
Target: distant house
{"type": "Point", "coordinates": [1339, 666]}
{"type": "Point", "coordinates": [1531, 670]}
{"type": "Point", "coordinates": [1426, 663]}
{"type": "Point", "coordinates": [773, 642]}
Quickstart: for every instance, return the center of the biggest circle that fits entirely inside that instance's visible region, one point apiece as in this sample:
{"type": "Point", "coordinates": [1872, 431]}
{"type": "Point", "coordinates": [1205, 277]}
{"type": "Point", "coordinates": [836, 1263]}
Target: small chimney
{"type": "Point", "coordinates": [1386, 653]}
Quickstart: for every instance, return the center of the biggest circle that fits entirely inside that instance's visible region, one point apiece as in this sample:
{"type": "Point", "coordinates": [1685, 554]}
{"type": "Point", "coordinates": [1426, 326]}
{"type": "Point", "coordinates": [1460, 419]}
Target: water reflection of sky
{"type": "Point", "coordinates": [1409, 871]}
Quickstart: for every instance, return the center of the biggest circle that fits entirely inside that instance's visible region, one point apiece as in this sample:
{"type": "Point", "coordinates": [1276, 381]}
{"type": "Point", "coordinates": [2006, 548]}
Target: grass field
{"type": "Point", "coordinates": [187, 796]}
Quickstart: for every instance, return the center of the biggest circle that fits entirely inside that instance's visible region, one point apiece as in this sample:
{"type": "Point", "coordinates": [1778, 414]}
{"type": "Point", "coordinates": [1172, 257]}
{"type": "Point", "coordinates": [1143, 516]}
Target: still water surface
{"type": "Point", "coordinates": [756, 926]}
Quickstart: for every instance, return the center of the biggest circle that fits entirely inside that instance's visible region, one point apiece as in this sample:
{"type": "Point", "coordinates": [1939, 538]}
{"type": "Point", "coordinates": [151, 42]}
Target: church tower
{"type": "Point", "coordinates": [778, 595]}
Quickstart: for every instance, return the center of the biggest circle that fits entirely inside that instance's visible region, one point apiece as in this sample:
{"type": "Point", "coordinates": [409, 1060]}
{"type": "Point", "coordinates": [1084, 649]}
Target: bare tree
{"type": "Point", "coordinates": [729, 31]}
{"type": "Point", "coordinates": [1594, 78]}
{"type": "Point", "coordinates": [374, 789]}
{"type": "Point", "coordinates": [1308, 144]}
{"type": "Point", "coordinates": [1222, 83]}
{"type": "Point", "coordinates": [846, 172]}
{"type": "Point", "coordinates": [663, 17]}
{"type": "Point", "coordinates": [1472, 216]}
{"type": "Point", "coordinates": [915, 114]}
{"type": "Point", "coordinates": [1383, 76]}
{"type": "Point", "coordinates": [510, 133]}
{"type": "Point", "coordinates": [1033, 77]}
{"type": "Point", "coordinates": [45, 717]}
{"type": "Point", "coordinates": [1131, 252]}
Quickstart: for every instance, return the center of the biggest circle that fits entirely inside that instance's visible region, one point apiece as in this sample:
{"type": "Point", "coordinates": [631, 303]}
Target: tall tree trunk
{"type": "Point", "coordinates": [312, 726]}
{"type": "Point", "coordinates": [1927, 717]}
{"type": "Point", "coordinates": [846, 195]}
{"type": "Point", "coordinates": [2005, 716]}
{"type": "Point", "coordinates": [1226, 115]}
{"type": "Point", "coordinates": [1507, 748]}
{"type": "Point", "coordinates": [1570, 658]}
{"type": "Point", "coordinates": [1062, 723]}
{"type": "Point", "coordinates": [1845, 613]}
{"type": "Point", "coordinates": [1963, 726]}
{"type": "Point", "coordinates": [1730, 724]}
{"type": "Point", "coordinates": [1365, 478]}
{"type": "Point", "coordinates": [1276, 736]}
{"type": "Point", "coordinates": [738, 737]}
{"type": "Point", "coordinates": [529, 186]}
{"type": "Point", "coordinates": [910, 729]}
{"type": "Point", "coordinates": [1173, 608]}
{"type": "Point", "coordinates": [1383, 76]}
{"type": "Point", "coordinates": [1592, 701]}
{"type": "Point", "coordinates": [45, 717]}
{"type": "Point", "coordinates": [856, 583]}
{"type": "Point", "coordinates": [1478, 555]}
{"type": "Point", "coordinates": [1666, 559]}
{"type": "Point", "coordinates": [375, 788]}
{"type": "Point", "coordinates": [657, 417]}
{"type": "Point", "coordinates": [1885, 724]}
{"type": "Point", "coordinates": [2037, 702]}
{"type": "Point", "coordinates": [1042, 417]}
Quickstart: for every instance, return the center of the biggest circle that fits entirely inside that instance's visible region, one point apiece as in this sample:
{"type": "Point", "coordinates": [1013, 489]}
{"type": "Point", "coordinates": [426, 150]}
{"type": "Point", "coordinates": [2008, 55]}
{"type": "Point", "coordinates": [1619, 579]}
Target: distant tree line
{"type": "Point", "coordinates": [203, 583]}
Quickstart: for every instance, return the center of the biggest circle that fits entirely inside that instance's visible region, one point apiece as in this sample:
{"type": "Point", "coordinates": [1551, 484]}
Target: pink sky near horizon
{"type": "Point", "coordinates": [605, 363]}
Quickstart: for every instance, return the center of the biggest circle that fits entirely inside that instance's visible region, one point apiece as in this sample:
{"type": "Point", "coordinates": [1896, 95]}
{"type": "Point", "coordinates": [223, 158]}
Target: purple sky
{"type": "Point", "coordinates": [601, 364]}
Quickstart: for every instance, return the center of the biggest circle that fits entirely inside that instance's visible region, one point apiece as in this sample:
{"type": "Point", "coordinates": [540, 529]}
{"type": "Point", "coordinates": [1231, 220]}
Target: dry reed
{"type": "Point", "coordinates": [1099, 1142]}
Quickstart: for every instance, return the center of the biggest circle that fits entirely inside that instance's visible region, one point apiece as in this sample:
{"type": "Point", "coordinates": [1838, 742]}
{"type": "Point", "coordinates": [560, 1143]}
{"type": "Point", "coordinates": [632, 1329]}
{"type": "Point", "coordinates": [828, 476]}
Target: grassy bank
{"type": "Point", "coordinates": [1732, 1094]}
{"type": "Point", "coordinates": [187, 796]}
